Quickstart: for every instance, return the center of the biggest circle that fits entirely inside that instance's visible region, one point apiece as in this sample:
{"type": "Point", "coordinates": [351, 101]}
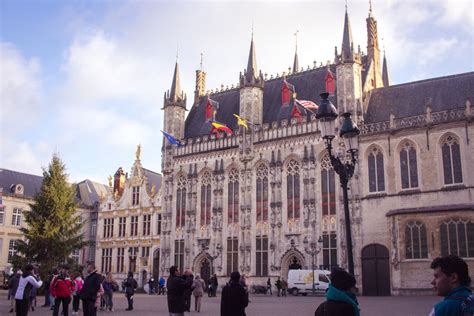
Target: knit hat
{"type": "Point", "coordinates": [342, 279]}
{"type": "Point", "coordinates": [235, 276]}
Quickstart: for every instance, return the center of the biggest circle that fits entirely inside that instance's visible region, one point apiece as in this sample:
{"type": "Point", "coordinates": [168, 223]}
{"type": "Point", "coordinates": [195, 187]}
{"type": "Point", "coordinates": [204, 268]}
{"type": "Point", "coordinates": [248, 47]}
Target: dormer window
{"type": "Point", "coordinates": [135, 195]}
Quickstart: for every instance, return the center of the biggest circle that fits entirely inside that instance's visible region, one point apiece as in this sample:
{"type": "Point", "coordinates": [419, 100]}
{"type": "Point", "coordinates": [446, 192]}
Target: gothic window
{"type": "Point", "coordinates": [262, 193]}
{"type": "Point", "coordinates": [457, 238]}
{"type": "Point", "coordinates": [179, 254]}
{"type": "Point", "coordinates": [329, 250]}
{"type": "Point", "coordinates": [451, 160]}
{"type": "Point", "coordinates": [233, 197]}
{"type": "Point", "coordinates": [262, 256]}
{"type": "Point", "coordinates": [206, 199]}
{"type": "Point", "coordinates": [181, 201]}
{"type": "Point", "coordinates": [232, 255]}
{"type": "Point", "coordinates": [376, 171]}
{"type": "Point", "coordinates": [135, 195]}
{"type": "Point", "coordinates": [408, 168]}
{"type": "Point", "coordinates": [328, 187]}
{"type": "Point", "coordinates": [416, 244]}
{"type": "Point", "coordinates": [158, 224]}
{"type": "Point", "coordinates": [293, 189]}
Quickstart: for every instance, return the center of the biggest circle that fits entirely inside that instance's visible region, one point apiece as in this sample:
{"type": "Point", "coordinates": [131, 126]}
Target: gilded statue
{"type": "Point", "coordinates": [138, 152]}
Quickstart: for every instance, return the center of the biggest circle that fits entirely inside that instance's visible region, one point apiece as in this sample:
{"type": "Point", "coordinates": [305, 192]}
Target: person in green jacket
{"type": "Point", "coordinates": [451, 280]}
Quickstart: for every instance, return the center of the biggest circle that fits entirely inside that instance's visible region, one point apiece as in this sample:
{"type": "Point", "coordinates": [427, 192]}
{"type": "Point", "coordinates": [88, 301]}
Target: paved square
{"type": "Point", "coordinates": [260, 305]}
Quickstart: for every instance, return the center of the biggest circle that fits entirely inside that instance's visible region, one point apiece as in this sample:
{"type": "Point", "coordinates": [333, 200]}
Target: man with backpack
{"type": "Point", "coordinates": [451, 280]}
{"type": "Point", "coordinates": [61, 288]}
{"type": "Point", "coordinates": [89, 291]}
{"type": "Point", "coordinates": [130, 286]}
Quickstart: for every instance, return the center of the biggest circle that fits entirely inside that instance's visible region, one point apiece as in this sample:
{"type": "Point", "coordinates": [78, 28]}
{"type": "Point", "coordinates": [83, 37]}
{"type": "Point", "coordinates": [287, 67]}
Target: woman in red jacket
{"type": "Point", "coordinates": [61, 289]}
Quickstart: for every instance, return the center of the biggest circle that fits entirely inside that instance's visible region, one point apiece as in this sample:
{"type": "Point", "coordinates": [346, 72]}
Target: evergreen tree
{"type": "Point", "coordinates": [53, 229]}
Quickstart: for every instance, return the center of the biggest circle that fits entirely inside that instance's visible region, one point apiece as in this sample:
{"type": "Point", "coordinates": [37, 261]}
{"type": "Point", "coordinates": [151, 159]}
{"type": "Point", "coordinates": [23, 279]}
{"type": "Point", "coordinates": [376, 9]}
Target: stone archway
{"type": "Point", "coordinates": [203, 266]}
{"type": "Point", "coordinates": [292, 259]}
{"type": "Point", "coordinates": [375, 270]}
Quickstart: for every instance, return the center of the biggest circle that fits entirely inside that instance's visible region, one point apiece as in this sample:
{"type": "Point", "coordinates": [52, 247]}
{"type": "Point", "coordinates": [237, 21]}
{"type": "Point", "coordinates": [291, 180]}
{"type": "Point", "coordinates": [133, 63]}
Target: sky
{"type": "Point", "coordinates": [86, 79]}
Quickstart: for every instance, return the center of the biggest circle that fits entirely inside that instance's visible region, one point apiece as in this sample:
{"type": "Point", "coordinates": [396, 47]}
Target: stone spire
{"type": "Point", "coordinates": [347, 53]}
{"type": "Point", "coordinates": [373, 51]}
{"type": "Point", "coordinates": [200, 89]}
{"type": "Point", "coordinates": [176, 84]}
{"type": "Point", "coordinates": [251, 75]}
{"type": "Point", "coordinates": [386, 81]}
{"type": "Point", "coordinates": [295, 62]}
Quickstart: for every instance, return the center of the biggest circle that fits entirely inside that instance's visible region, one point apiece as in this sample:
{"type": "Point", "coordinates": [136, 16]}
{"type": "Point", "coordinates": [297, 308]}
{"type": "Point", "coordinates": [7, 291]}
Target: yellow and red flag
{"type": "Point", "coordinates": [221, 127]}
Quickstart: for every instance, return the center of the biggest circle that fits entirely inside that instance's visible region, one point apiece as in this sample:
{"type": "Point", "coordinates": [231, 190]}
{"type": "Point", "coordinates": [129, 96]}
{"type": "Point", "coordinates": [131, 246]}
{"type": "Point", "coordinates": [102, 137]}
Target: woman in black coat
{"type": "Point", "coordinates": [234, 297]}
{"type": "Point", "coordinates": [176, 287]}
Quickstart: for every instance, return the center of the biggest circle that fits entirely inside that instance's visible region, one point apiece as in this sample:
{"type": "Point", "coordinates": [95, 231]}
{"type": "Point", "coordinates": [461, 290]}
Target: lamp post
{"type": "Point", "coordinates": [313, 251]}
{"type": "Point", "coordinates": [327, 115]}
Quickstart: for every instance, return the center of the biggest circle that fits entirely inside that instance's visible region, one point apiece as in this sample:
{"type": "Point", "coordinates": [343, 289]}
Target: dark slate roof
{"type": "Point", "coordinates": [410, 99]}
{"type": "Point", "coordinates": [88, 192]}
{"type": "Point", "coordinates": [308, 85]}
{"type": "Point", "coordinates": [153, 178]}
{"type": "Point", "coordinates": [9, 178]}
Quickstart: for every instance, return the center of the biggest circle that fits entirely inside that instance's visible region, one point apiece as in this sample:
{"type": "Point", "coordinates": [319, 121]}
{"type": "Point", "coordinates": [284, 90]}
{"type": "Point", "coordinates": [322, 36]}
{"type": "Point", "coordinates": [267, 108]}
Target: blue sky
{"type": "Point", "coordinates": [86, 78]}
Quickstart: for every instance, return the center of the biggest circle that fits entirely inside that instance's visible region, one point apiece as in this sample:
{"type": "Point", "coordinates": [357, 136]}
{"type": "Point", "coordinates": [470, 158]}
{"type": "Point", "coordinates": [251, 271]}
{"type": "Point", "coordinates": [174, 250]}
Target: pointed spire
{"type": "Point", "coordinates": [176, 92]}
{"type": "Point", "coordinates": [347, 44]}
{"type": "Point", "coordinates": [296, 65]}
{"type": "Point", "coordinates": [386, 81]}
{"type": "Point", "coordinates": [252, 62]}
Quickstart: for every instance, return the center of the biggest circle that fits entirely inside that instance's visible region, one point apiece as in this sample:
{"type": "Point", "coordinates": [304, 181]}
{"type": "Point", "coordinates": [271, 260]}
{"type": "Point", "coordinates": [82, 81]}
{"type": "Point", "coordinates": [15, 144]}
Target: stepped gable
{"type": "Point", "coordinates": [308, 84]}
{"type": "Point", "coordinates": [410, 99]}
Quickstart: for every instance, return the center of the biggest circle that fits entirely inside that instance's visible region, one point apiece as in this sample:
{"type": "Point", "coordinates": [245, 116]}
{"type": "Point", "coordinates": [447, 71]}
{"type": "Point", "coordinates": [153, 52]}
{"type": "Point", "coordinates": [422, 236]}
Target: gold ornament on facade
{"type": "Point", "coordinates": [153, 190]}
{"type": "Point", "coordinates": [138, 152]}
{"type": "Point", "coordinates": [110, 181]}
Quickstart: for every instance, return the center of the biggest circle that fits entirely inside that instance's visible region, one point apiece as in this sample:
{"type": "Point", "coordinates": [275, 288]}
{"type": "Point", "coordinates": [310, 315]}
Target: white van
{"type": "Point", "coordinates": [301, 281]}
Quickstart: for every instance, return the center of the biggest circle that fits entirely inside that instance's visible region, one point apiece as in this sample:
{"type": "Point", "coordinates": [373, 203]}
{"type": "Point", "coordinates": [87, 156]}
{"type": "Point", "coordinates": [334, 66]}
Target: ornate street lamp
{"type": "Point", "coordinates": [327, 115]}
{"type": "Point", "coordinates": [313, 251]}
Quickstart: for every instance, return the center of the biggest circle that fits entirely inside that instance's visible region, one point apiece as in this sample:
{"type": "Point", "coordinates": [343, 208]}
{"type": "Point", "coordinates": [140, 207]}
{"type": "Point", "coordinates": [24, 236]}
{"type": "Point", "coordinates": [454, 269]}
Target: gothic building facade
{"type": "Point", "coordinates": [266, 198]}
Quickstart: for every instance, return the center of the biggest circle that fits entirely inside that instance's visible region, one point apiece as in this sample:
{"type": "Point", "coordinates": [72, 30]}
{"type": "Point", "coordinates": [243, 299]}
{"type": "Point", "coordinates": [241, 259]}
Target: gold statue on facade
{"type": "Point", "coordinates": [138, 152]}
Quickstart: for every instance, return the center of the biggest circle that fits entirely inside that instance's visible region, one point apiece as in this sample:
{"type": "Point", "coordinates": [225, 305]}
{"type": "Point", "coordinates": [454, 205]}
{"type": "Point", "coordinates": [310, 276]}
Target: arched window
{"type": "Point", "coordinates": [181, 201]}
{"type": "Point", "coordinates": [328, 187]}
{"type": "Point", "coordinates": [293, 189]}
{"type": "Point", "coordinates": [262, 193]}
{"type": "Point", "coordinates": [408, 168]}
{"type": "Point", "coordinates": [416, 245]}
{"type": "Point", "coordinates": [206, 199]}
{"type": "Point", "coordinates": [233, 197]}
{"type": "Point", "coordinates": [457, 238]}
{"type": "Point", "coordinates": [376, 171]}
{"type": "Point", "coordinates": [451, 160]}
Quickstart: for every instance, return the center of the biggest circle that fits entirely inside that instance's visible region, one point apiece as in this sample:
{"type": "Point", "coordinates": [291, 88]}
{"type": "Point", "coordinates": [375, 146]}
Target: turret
{"type": "Point", "coordinates": [200, 89]}
{"type": "Point", "coordinates": [385, 78]}
{"type": "Point", "coordinates": [373, 51]}
{"type": "Point", "coordinates": [175, 107]}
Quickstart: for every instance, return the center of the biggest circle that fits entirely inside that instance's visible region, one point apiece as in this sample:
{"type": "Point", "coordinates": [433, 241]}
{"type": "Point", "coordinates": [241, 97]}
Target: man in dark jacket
{"type": "Point", "coordinates": [177, 286]}
{"type": "Point", "coordinates": [340, 297]}
{"type": "Point", "coordinates": [89, 291]}
{"type": "Point", "coordinates": [234, 298]}
{"type": "Point", "coordinates": [130, 287]}
{"type": "Point", "coordinates": [12, 287]}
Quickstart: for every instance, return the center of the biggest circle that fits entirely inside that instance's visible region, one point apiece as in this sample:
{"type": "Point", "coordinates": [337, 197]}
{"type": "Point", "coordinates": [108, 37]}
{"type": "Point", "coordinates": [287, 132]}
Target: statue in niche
{"type": "Point", "coordinates": [295, 265]}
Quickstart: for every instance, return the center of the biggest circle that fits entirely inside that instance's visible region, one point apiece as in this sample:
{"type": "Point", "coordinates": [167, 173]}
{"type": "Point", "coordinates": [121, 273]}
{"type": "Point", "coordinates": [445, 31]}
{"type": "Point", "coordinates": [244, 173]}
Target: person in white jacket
{"type": "Point", "coordinates": [22, 296]}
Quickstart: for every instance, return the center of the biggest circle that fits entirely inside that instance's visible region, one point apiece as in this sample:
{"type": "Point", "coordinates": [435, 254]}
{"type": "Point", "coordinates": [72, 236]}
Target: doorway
{"type": "Point", "coordinates": [375, 270]}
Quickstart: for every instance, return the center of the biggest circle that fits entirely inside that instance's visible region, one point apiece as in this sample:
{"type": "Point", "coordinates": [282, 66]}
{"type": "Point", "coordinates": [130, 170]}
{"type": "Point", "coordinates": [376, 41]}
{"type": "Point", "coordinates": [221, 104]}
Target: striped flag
{"type": "Point", "coordinates": [309, 105]}
{"type": "Point", "coordinates": [221, 127]}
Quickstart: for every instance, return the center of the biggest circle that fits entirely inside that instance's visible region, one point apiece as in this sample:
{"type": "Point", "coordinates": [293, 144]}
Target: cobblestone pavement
{"type": "Point", "coordinates": [260, 305]}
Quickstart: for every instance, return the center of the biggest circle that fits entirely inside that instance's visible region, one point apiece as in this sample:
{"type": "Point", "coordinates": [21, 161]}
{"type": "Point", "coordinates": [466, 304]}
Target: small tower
{"type": "Point", "coordinates": [175, 107]}
{"type": "Point", "coordinates": [251, 90]}
{"type": "Point", "coordinates": [373, 51]}
{"type": "Point", "coordinates": [296, 65]}
{"type": "Point", "coordinates": [385, 78]}
{"type": "Point", "coordinates": [348, 73]}
{"type": "Point", "coordinates": [200, 89]}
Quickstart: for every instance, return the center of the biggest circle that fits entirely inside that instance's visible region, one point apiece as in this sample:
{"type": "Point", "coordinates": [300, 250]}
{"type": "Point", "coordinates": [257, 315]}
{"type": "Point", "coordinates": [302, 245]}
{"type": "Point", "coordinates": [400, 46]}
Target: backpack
{"type": "Point", "coordinates": [467, 304]}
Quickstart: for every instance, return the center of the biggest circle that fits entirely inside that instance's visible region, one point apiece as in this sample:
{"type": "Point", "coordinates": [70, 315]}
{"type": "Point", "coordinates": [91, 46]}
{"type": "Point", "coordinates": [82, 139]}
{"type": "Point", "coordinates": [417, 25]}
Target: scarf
{"type": "Point", "coordinates": [335, 294]}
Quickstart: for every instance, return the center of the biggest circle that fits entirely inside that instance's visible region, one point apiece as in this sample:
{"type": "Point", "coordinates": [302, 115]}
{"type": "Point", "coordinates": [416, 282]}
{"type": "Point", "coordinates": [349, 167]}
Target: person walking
{"type": "Point", "coordinates": [176, 286]}
{"type": "Point", "coordinates": [33, 293]}
{"type": "Point", "coordinates": [151, 286]}
{"type": "Point", "coordinates": [109, 285]}
{"type": "Point", "coordinates": [341, 296]}
{"type": "Point", "coordinates": [22, 294]}
{"type": "Point", "coordinates": [214, 285]}
{"type": "Point", "coordinates": [161, 285]}
{"type": "Point", "coordinates": [284, 287]}
{"type": "Point", "coordinates": [451, 280]}
{"type": "Point", "coordinates": [61, 288]}
{"type": "Point", "coordinates": [79, 283]}
{"type": "Point", "coordinates": [46, 285]}
{"type": "Point", "coordinates": [269, 286]}
{"type": "Point", "coordinates": [278, 286]}
{"type": "Point", "coordinates": [187, 295]}
{"type": "Point", "coordinates": [130, 286]}
{"type": "Point", "coordinates": [89, 291]}
{"type": "Point", "coordinates": [198, 292]}
{"type": "Point", "coordinates": [234, 298]}
{"type": "Point", "coordinates": [12, 287]}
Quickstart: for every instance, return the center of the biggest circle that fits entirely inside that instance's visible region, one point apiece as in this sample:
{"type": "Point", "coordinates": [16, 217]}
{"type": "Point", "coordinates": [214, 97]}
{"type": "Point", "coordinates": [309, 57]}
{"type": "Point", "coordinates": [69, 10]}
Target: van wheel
{"type": "Point", "coordinates": [295, 291]}
{"type": "Point", "coordinates": [305, 294]}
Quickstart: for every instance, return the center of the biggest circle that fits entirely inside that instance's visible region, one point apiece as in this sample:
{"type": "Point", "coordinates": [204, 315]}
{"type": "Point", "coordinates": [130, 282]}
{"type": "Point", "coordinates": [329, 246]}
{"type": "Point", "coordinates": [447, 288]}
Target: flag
{"type": "Point", "coordinates": [330, 82]}
{"type": "Point", "coordinates": [241, 121]}
{"type": "Point", "coordinates": [287, 92]}
{"type": "Point", "coordinates": [211, 109]}
{"type": "Point", "coordinates": [296, 112]}
{"type": "Point", "coordinates": [221, 127]}
{"type": "Point", "coordinates": [171, 139]}
{"type": "Point", "coordinates": [309, 105]}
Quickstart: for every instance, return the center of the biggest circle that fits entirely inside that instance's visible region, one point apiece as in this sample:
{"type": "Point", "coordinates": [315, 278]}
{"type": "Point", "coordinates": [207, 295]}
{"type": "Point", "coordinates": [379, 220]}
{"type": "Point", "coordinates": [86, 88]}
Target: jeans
{"type": "Point", "coordinates": [130, 301]}
{"type": "Point", "coordinates": [75, 303]}
{"type": "Point", "coordinates": [22, 307]}
{"type": "Point", "coordinates": [89, 308]}
{"type": "Point", "coordinates": [65, 301]}
{"type": "Point", "coordinates": [109, 304]}
{"type": "Point", "coordinates": [47, 300]}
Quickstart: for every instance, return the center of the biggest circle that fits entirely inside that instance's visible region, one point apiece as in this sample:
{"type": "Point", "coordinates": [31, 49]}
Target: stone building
{"type": "Point", "coordinates": [266, 198]}
{"type": "Point", "coordinates": [17, 192]}
{"type": "Point", "coordinates": [129, 224]}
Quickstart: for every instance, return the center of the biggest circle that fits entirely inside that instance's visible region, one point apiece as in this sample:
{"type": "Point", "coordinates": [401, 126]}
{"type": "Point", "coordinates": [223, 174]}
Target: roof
{"type": "Point", "coordinates": [410, 99]}
{"type": "Point", "coordinates": [154, 178]}
{"type": "Point", "coordinates": [31, 183]}
{"type": "Point", "coordinates": [432, 209]}
{"type": "Point", "coordinates": [308, 85]}
{"type": "Point", "coordinates": [88, 192]}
